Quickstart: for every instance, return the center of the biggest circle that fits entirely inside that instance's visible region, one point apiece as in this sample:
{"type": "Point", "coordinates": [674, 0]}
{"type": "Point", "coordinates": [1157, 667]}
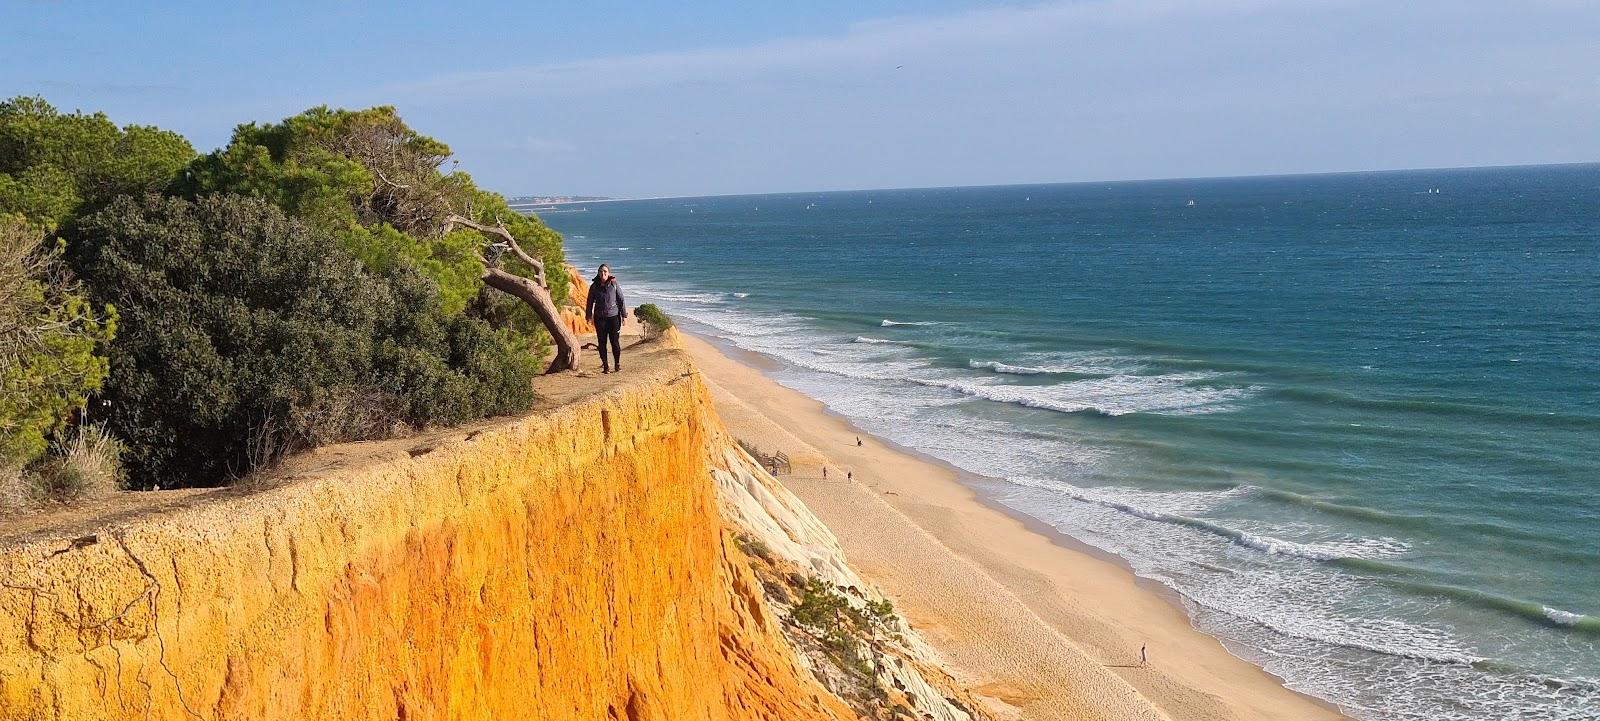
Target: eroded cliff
{"type": "Point", "coordinates": [567, 565]}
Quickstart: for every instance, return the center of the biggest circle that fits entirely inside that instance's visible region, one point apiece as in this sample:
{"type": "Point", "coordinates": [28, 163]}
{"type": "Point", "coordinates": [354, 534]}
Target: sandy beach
{"type": "Point", "coordinates": [1052, 631]}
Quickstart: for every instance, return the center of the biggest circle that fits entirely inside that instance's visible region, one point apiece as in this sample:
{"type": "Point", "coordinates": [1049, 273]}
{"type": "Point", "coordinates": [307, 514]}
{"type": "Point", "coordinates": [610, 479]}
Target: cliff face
{"type": "Point", "coordinates": [908, 679]}
{"type": "Point", "coordinates": [572, 311]}
{"type": "Point", "coordinates": [568, 565]}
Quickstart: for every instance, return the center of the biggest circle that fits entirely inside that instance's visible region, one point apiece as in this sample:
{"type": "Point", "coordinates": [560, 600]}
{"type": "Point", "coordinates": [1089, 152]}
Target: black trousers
{"type": "Point", "coordinates": [609, 329]}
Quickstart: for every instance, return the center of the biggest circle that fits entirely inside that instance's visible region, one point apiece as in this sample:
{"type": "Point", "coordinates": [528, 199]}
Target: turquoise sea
{"type": "Point", "coordinates": [1352, 420]}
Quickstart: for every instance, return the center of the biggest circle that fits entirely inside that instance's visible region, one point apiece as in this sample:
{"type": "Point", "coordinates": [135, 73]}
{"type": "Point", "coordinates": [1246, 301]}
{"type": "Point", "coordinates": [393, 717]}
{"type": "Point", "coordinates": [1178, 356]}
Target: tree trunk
{"type": "Point", "coordinates": [538, 298]}
{"type": "Point", "coordinates": [534, 292]}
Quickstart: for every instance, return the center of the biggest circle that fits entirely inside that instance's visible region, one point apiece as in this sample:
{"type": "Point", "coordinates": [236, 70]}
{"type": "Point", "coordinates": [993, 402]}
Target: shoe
{"type": "Point", "coordinates": [605, 369]}
{"type": "Point", "coordinates": [618, 369]}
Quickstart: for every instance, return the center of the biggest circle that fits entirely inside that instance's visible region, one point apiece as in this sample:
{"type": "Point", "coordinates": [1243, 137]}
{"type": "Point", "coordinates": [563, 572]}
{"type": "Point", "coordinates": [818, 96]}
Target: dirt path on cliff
{"type": "Point", "coordinates": [1054, 633]}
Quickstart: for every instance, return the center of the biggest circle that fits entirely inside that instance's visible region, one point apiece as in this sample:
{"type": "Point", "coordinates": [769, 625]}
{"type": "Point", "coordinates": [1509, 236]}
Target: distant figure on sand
{"type": "Point", "coordinates": [850, 475]}
{"type": "Point", "coordinates": [606, 309]}
{"type": "Point", "coordinates": [858, 441]}
{"type": "Point", "coordinates": [824, 473]}
{"type": "Point", "coordinates": [1144, 658]}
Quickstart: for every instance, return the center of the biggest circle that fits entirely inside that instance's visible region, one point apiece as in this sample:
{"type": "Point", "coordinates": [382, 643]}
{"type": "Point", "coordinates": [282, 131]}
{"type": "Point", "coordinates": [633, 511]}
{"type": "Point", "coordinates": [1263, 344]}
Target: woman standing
{"type": "Point", "coordinates": [606, 309]}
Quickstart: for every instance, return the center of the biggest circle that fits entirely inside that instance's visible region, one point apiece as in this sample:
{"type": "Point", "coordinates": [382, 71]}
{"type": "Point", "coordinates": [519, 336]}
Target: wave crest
{"type": "Point", "coordinates": [1000, 367]}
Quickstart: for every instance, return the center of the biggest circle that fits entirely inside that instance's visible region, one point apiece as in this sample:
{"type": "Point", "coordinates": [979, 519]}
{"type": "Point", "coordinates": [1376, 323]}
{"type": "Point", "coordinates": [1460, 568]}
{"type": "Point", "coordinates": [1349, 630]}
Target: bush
{"type": "Point", "coordinates": [248, 335]}
{"type": "Point", "coordinates": [88, 465]}
{"type": "Point", "coordinates": [752, 546]}
{"type": "Point", "coordinates": [50, 342]}
{"type": "Point", "coordinates": [373, 181]}
{"type": "Point", "coordinates": [839, 626]}
{"type": "Point", "coordinates": [15, 492]}
{"type": "Point", "coordinates": [652, 315]}
{"type": "Point", "coordinates": [54, 164]}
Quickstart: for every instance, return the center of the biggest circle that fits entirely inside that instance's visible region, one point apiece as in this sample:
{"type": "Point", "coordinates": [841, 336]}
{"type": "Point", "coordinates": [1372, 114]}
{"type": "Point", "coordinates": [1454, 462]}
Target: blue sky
{"type": "Point", "coordinates": [635, 99]}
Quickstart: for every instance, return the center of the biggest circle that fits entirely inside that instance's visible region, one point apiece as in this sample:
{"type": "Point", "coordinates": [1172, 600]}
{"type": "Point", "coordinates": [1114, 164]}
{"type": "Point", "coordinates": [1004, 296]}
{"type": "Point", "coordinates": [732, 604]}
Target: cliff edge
{"type": "Point", "coordinates": [571, 564]}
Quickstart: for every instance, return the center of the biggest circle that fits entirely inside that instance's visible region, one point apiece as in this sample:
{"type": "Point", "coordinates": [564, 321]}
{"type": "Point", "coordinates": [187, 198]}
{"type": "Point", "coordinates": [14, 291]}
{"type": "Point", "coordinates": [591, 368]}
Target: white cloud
{"type": "Point", "coordinates": [1099, 89]}
{"type": "Point", "coordinates": [880, 43]}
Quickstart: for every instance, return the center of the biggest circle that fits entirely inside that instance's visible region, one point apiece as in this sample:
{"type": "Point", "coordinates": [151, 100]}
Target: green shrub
{"type": "Point", "coordinates": [752, 546]}
{"type": "Point", "coordinates": [50, 343]}
{"type": "Point", "coordinates": [828, 614]}
{"type": "Point", "coordinates": [55, 164]}
{"type": "Point", "coordinates": [879, 616]}
{"type": "Point", "coordinates": [247, 334]}
{"type": "Point", "coordinates": [370, 179]}
{"type": "Point", "coordinates": [651, 314]}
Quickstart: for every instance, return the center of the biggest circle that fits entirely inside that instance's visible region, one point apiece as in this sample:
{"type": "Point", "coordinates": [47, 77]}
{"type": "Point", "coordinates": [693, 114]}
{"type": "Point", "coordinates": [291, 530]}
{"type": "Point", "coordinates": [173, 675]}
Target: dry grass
{"type": "Point", "coordinates": [86, 466]}
{"type": "Point", "coordinates": [93, 460]}
{"type": "Point", "coordinates": [15, 492]}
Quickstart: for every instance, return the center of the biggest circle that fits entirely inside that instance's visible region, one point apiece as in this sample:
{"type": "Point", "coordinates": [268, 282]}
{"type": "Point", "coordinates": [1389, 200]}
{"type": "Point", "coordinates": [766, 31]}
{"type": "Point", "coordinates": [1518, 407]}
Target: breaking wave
{"type": "Point", "coordinates": [1115, 395]}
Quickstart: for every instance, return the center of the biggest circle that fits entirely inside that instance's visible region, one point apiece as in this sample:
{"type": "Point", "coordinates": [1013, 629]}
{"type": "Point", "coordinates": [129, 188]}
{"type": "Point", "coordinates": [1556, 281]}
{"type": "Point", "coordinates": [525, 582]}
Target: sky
{"type": "Point", "coordinates": [698, 98]}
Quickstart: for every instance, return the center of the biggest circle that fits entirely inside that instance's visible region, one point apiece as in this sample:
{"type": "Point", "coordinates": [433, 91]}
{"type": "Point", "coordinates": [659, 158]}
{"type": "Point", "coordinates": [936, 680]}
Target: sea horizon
{"type": "Point", "coordinates": [1248, 176]}
{"type": "Point", "coordinates": [1343, 416]}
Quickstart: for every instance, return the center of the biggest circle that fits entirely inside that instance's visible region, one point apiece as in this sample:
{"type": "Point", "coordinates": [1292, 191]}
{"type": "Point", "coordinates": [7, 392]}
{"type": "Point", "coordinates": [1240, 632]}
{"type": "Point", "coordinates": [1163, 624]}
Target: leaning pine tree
{"type": "Point", "coordinates": [533, 291]}
{"type": "Point", "coordinates": [373, 181]}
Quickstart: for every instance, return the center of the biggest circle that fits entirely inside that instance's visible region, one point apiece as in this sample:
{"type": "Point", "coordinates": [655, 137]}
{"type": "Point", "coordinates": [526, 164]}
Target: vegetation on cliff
{"type": "Point", "coordinates": [316, 280]}
{"type": "Point", "coordinates": [285, 342]}
{"type": "Point", "coordinates": [49, 335]}
{"type": "Point", "coordinates": [654, 318]}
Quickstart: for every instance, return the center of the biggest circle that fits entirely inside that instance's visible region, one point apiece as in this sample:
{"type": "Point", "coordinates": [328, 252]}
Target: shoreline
{"type": "Point", "coordinates": [1070, 618]}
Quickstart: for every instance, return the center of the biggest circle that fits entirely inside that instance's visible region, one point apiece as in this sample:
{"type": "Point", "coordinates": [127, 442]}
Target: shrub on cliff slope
{"type": "Point", "coordinates": [655, 320]}
{"type": "Point", "coordinates": [247, 334]}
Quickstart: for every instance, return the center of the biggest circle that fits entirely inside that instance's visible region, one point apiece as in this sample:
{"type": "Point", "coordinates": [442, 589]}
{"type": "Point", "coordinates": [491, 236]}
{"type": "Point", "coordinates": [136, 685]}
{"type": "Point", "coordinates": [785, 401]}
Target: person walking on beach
{"type": "Point", "coordinates": [858, 441]}
{"type": "Point", "coordinates": [824, 473]}
{"type": "Point", "coordinates": [606, 309]}
{"type": "Point", "coordinates": [1144, 658]}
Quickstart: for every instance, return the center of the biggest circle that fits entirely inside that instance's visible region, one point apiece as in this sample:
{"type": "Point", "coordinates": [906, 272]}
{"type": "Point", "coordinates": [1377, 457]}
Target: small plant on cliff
{"type": "Point", "coordinates": [90, 464]}
{"type": "Point", "coordinates": [879, 615]}
{"type": "Point", "coordinates": [752, 546]}
{"type": "Point", "coordinates": [653, 317]}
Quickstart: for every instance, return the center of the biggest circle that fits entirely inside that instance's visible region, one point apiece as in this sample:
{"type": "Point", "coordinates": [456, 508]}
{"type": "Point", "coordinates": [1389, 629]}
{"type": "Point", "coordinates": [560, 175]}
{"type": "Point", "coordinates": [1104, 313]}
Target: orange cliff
{"type": "Point", "coordinates": [571, 564]}
{"type": "Point", "coordinates": [577, 293]}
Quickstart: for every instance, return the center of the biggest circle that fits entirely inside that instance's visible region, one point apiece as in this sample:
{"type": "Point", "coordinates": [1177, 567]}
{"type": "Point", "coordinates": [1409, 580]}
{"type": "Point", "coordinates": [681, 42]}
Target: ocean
{"type": "Point", "coordinates": [1353, 420]}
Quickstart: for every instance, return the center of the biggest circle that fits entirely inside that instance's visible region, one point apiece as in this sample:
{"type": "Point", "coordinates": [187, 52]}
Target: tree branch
{"type": "Point", "coordinates": [535, 293]}
{"type": "Point", "coordinates": [499, 230]}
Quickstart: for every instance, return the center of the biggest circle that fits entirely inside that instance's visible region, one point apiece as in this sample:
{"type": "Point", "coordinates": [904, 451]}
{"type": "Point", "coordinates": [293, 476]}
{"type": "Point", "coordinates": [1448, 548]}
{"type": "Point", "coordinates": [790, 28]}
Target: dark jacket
{"type": "Point", "coordinates": [605, 299]}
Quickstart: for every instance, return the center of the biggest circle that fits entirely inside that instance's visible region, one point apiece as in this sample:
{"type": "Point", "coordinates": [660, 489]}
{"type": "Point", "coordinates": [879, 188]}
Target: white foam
{"type": "Point", "coordinates": [890, 323]}
{"type": "Point", "coordinates": [741, 295]}
{"type": "Point", "coordinates": [1564, 618]}
{"type": "Point", "coordinates": [1086, 362]}
{"type": "Point", "coordinates": [691, 297]}
{"type": "Point", "coordinates": [1117, 395]}
{"type": "Point", "coordinates": [999, 367]}
{"type": "Point", "coordinates": [676, 262]}
{"type": "Point", "coordinates": [864, 339]}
